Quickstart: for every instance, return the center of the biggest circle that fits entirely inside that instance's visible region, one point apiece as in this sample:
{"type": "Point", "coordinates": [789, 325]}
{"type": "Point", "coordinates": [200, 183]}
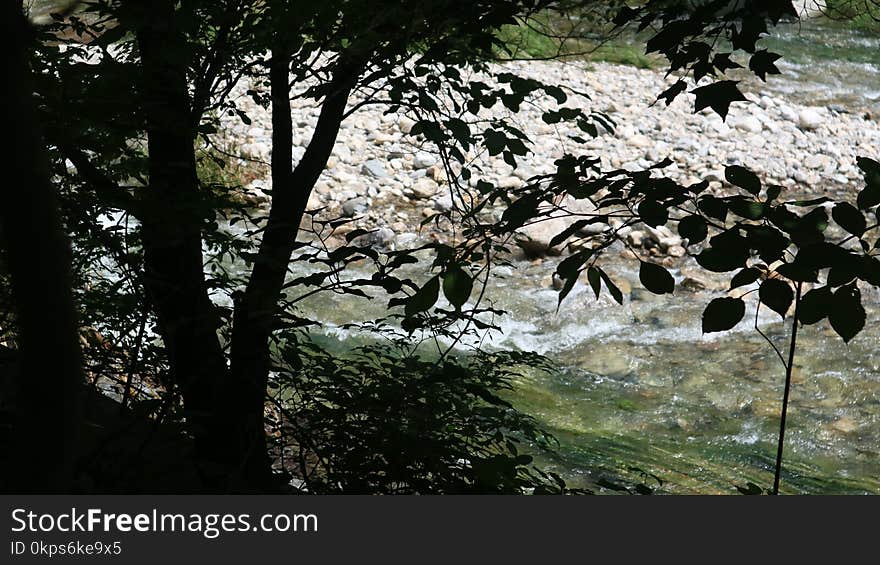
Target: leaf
{"type": "Point", "coordinates": [718, 96]}
{"type": "Point", "coordinates": [847, 316]}
{"type": "Point", "coordinates": [656, 279]}
{"type": "Point", "coordinates": [871, 168]}
{"type": "Point", "coordinates": [494, 141]}
{"type": "Point", "coordinates": [797, 271]}
{"type": "Point", "coordinates": [424, 298]}
{"type": "Point", "coordinates": [457, 286]}
{"type": "Point", "coordinates": [849, 218]}
{"type": "Point", "coordinates": [713, 207]}
{"type": "Point", "coordinates": [743, 178]}
{"type": "Point", "coordinates": [693, 228]}
{"type": "Point", "coordinates": [777, 295]}
{"type": "Point", "coordinates": [595, 280]}
{"type": "Point", "coordinates": [723, 314]}
{"type": "Point", "coordinates": [653, 213]}
{"type": "Point", "coordinates": [751, 489]}
{"type": "Point", "coordinates": [869, 196]}
{"type": "Point", "coordinates": [773, 192]}
{"type": "Point", "coordinates": [672, 92]}
{"type": "Point", "coordinates": [722, 261]}
{"type": "Point", "coordinates": [616, 294]}
{"type": "Point", "coordinates": [762, 64]}
{"type": "Point", "coordinates": [744, 277]}
{"type": "Point", "coordinates": [746, 207]}
{"type": "Point", "coordinates": [815, 305]}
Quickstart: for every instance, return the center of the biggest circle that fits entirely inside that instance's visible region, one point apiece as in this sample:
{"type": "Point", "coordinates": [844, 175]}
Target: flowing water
{"type": "Point", "coordinates": [638, 385]}
{"type": "Point", "coordinates": [827, 64]}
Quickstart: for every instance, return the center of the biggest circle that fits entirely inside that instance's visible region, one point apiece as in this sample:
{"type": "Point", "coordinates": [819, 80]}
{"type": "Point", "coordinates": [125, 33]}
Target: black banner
{"type": "Point", "coordinates": [458, 529]}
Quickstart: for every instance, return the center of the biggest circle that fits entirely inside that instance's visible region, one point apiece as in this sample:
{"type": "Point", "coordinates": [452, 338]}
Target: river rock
{"type": "Point", "coordinates": [424, 188]}
{"type": "Point", "coordinates": [443, 203]}
{"type": "Point", "coordinates": [639, 140]}
{"type": "Point", "coordinates": [405, 124]}
{"type": "Point", "coordinates": [355, 206]}
{"type": "Point", "coordinates": [635, 238]}
{"type": "Point", "coordinates": [510, 182]}
{"type": "Point", "coordinates": [748, 124]}
{"type": "Point", "coordinates": [374, 168]}
{"type": "Point", "coordinates": [809, 119]}
{"type": "Point", "coordinates": [423, 160]}
{"type": "Point", "coordinates": [535, 238]}
{"type": "Point", "coordinates": [382, 236]}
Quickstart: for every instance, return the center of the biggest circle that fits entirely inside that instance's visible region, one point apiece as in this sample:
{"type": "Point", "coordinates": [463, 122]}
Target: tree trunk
{"type": "Point", "coordinates": [255, 311]}
{"type": "Point", "coordinates": [49, 378]}
{"type": "Point", "coordinates": [173, 262]}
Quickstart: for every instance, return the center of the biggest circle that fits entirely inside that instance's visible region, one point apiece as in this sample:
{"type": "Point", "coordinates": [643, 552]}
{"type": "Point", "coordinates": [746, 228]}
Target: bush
{"type": "Point", "coordinates": [378, 420]}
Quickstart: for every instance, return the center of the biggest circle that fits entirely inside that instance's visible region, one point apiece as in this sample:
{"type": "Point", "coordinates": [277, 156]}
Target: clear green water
{"type": "Point", "coordinates": [826, 63]}
{"type": "Point", "coordinates": [639, 386]}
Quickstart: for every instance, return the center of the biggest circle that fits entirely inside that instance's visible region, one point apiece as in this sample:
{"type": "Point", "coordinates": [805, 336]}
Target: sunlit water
{"type": "Point", "coordinates": [826, 64]}
{"type": "Point", "coordinates": [638, 385]}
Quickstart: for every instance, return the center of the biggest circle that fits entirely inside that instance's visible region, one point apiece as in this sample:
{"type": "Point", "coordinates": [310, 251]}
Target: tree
{"type": "Point", "coordinates": [44, 428]}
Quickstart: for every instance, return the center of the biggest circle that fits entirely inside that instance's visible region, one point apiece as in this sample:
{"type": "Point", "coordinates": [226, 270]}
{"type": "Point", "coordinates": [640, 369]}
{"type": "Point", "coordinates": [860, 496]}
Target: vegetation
{"type": "Point", "coordinates": [193, 327]}
{"type": "Point", "coordinates": [863, 14]}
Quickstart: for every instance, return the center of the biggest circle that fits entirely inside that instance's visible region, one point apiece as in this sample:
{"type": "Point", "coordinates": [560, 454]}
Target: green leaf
{"type": "Point", "coordinates": [797, 271]}
{"type": "Point", "coordinates": [693, 228]}
{"type": "Point", "coordinates": [723, 314]}
{"type": "Point", "coordinates": [870, 272]}
{"type": "Point", "coordinates": [847, 316]}
{"type": "Point", "coordinates": [815, 305]}
{"type": "Point", "coordinates": [751, 489]}
{"type": "Point", "coordinates": [457, 286]}
{"type": "Point", "coordinates": [777, 295]}
{"type": "Point", "coordinates": [424, 298]}
{"type": "Point", "coordinates": [744, 277]}
{"type": "Point", "coordinates": [849, 218]}
{"type": "Point", "coordinates": [773, 192]}
{"type": "Point", "coordinates": [871, 168]}
{"type": "Point", "coordinates": [743, 178]}
{"type": "Point", "coordinates": [869, 196]}
{"type": "Point", "coordinates": [495, 141]}
{"type": "Point", "coordinates": [656, 279]}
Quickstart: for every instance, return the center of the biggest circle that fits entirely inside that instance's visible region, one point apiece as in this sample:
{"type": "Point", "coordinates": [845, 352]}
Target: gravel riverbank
{"type": "Point", "coordinates": [391, 182]}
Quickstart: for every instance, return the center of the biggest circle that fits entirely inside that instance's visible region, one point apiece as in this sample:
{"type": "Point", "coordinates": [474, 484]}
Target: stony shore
{"type": "Point", "coordinates": [390, 181]}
